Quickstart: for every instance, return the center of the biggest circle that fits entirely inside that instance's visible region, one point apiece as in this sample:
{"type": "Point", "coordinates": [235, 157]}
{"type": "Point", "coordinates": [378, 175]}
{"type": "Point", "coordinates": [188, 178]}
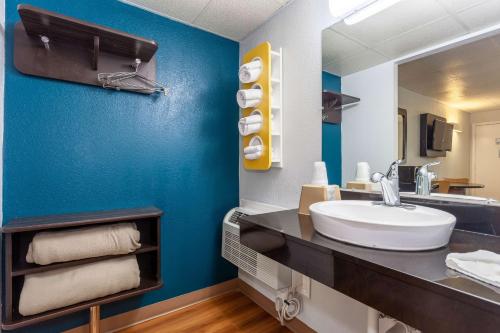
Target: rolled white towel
{"type": "Point", "coordinates": [248, 98]}
{"type": "Point", "coordinates": [251, 124]}
{"type": "Point", "coordinates": [58, 246]}
{"type": "Point", "coordinates": [254, 156]}
{"type": "Point", "coordinates": [252, 119]}
{"type": "Point", "coordinates": [249, 75]}
{"type": "Point", "coordinates": [67, 286]}
{"type": "Point", "coordinates": [254, 64]}
{"type": "Point", "coordinates": [251, 103]}
{"type": "Point", "coordinates": [252, 149]}
{"type": "Point", "coordinates": [247, 129]}
{"type": "Point", "coordinates": [481, 265]}
{"type": "Point", "coordinates": [248, 94]}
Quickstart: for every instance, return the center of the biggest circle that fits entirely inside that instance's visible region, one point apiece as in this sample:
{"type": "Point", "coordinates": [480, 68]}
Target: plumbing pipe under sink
{"type": "Point", "coordinates": [372, 318]}
{"type": "Point", "coordinates": [377, 322]}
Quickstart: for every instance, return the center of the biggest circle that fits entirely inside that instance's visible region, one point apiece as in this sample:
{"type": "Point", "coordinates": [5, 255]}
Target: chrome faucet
{"type": "Point", "coordinates": [389, 184]}
{"type": "Point", "coordinates": [424, 179]}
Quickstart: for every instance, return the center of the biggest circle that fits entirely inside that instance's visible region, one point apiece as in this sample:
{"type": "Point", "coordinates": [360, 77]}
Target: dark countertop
{"type": "Point", "coordinates": [414, 287]}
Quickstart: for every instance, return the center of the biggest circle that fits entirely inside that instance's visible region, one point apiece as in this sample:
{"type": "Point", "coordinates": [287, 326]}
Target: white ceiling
{"type": "Point", "coordinates": [408, 26]}
{"type": "Point", "coordinates": [466, 77]}
{"type": "Point", "coordinates": [234, 19]}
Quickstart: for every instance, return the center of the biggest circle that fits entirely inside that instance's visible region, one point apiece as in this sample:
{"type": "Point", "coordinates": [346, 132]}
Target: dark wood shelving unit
{"type": "Point", "coordinates": [18, 234]}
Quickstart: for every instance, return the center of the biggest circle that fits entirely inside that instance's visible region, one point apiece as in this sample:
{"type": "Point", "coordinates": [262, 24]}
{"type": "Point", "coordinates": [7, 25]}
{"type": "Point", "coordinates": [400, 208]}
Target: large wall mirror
{"type": "Point", "coordinates": [439, 105]}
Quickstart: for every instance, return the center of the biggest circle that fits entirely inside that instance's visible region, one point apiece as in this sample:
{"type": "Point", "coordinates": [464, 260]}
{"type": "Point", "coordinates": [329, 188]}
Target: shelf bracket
{"type": "Point", "coordinates": [95, 54]}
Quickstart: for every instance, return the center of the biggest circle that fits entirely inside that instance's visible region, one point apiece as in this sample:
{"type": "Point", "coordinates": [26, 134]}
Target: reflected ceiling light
{"type": "Point", "coordinates": [371, 9]}
{"type": "Point", "coordinates": [469, 104]}
{"type": "Point", "coordinates": [343, 8]}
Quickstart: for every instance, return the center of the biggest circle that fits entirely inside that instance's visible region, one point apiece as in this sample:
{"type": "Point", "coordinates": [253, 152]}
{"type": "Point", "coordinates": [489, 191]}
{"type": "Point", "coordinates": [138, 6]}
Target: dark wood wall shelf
{"type": "Point", "coordinates": [333, 104]}
{"type": "Point", "coordinates": [38, 21]}
{"type": "Point", "coordinates": [18, 234]}
{"type": "Point", "coordinates": [77, 50]}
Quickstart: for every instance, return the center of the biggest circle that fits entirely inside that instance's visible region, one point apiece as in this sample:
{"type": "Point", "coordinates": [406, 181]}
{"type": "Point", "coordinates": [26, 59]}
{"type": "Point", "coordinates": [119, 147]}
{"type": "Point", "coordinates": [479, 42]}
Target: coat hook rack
{"type": "Point", "coordinates": [78, 49]}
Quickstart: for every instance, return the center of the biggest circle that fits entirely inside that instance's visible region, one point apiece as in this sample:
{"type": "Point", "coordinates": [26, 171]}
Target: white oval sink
{"type": "Point", "coordinates": [378, 226]}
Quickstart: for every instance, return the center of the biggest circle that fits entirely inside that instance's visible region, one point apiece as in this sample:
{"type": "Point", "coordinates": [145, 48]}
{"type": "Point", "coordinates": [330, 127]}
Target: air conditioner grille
{"type": "Point", "coordinates": [235, 216]}
{"type": "Point", "coordinates": [248, 260]}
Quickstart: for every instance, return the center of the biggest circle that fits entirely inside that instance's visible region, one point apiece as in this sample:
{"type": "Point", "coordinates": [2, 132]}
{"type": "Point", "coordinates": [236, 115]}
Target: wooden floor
{"type": "Point", "coordinates": [229, 313]}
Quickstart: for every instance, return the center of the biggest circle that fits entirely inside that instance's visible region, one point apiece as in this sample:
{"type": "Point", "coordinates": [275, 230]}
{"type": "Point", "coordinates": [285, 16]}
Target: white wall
{"type": "Point", "coordinates": [297, 29]}
{"type": "Point", "coordinates": [485, 116]}
{"type": "Point", "coordinates": [456, 164]}
{"type": "Point", "coordinates": [369, 129]}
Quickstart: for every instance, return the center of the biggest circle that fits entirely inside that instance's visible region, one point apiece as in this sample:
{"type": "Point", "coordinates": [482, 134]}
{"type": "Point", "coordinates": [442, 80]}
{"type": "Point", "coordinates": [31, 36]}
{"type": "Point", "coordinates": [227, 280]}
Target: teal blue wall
{"type": "Point", "coordinates": [332, 138]}
{"type": "Point", "coordinates": [74, 148]}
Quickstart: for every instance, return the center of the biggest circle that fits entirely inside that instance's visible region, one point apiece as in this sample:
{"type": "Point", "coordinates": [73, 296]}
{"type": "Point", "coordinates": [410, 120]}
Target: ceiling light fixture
{"type": "Point", "coordinates": [342, 8]}
{"type": "Point", "coordinates": [369, 10]}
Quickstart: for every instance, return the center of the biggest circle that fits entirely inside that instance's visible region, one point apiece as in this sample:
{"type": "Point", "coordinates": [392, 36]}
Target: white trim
{"type": "Point", "coordinates": [259, 207]}
{"type": "Point", "coordinates": [452, 43]}
{"type": "Point", "coordinates": [277, 110]}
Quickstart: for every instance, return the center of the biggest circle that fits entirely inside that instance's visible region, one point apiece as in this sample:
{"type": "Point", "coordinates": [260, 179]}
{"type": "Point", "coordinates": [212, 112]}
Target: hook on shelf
{"type": "Point", "coordinates": [45, 40]}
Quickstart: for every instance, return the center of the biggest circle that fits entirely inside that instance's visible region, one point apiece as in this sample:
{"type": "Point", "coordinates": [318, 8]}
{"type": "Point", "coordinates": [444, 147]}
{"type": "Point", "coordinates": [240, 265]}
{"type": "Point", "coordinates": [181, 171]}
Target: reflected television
{"type": "Point", "coordinates": [442, 135]}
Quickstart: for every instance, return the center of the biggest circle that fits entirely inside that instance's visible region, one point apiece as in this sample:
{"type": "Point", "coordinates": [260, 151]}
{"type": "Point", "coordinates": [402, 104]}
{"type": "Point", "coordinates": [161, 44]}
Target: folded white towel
{"type": "Point", "coordinates": [254, 64]}
{"type": "Point", "coordinates": [252, 119]}
{"type": "Point", "coordinates": [482, 265]}
{"type": "Point", "coordinates": [252, 149]}
{"type": "Point", "coordinates": [247, 129]}
{"type": "Point", "coordinates": [58, 246]}
{"type": "Point", "coordinates": [249, 75]}
{"type": "Point", "coordinates": [254, 156]}
{"type": "Point", "coordinates": [67, 286]}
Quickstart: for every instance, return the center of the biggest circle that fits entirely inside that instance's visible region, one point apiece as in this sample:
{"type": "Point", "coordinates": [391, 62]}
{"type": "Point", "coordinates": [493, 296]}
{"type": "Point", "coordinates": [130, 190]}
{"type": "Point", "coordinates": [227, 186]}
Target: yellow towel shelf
{"type": "Point", "coordinates": [271, 134]}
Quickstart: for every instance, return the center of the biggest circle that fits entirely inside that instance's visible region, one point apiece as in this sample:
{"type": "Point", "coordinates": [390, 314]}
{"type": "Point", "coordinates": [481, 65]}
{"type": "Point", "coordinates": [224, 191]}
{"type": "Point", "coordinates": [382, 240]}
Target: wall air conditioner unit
{"type": "Point", "coordinates": [261, 267]}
